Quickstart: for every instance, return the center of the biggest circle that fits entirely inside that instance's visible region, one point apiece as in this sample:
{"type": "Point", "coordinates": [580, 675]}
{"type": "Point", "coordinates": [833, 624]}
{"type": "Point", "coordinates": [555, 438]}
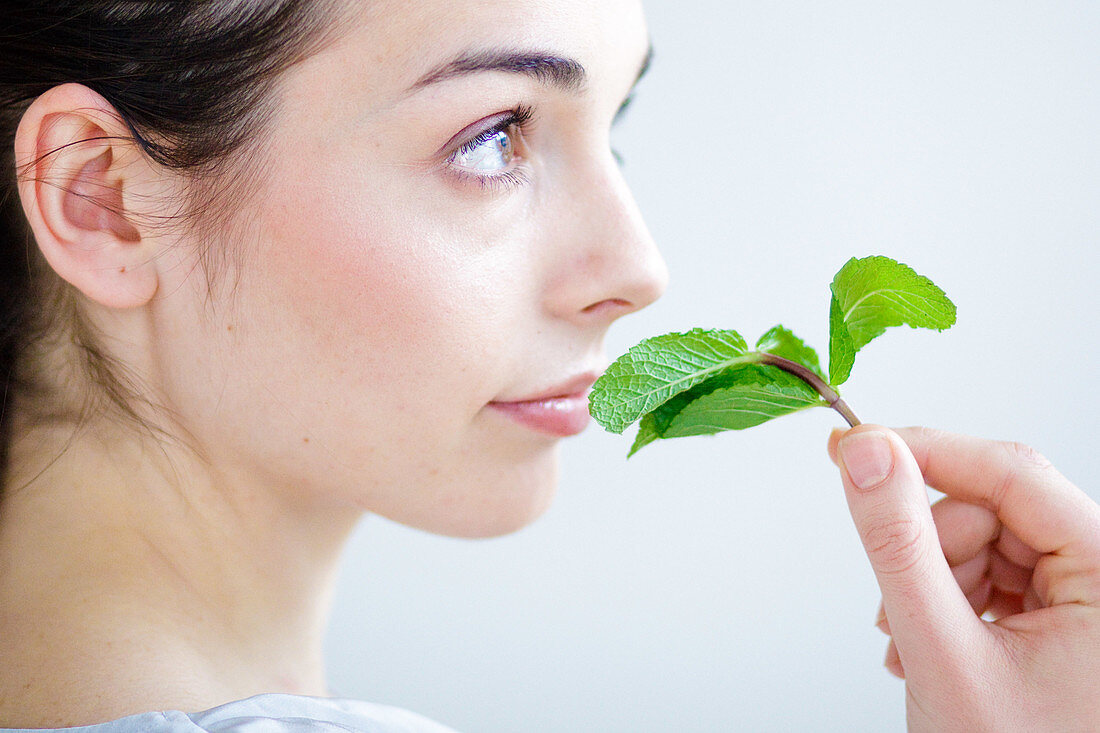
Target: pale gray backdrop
{"type": "Point", "coordinates": [717, 584]}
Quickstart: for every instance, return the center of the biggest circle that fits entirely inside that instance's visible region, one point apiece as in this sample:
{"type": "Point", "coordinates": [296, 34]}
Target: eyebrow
{"type": "Point", "coordinates": [553, 70]}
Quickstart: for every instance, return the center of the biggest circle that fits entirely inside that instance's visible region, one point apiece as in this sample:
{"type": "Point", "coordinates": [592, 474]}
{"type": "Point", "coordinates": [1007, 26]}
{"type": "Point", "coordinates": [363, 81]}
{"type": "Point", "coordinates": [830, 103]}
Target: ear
{"type": "Point", "coordinates": [79, 176]}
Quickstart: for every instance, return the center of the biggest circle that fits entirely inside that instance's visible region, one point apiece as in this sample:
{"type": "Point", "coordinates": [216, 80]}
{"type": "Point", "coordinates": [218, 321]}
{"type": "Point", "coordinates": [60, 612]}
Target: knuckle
{"type": "Point", "coordinates": [1002, 486]}
{"type": "Point", "coordinates": [1014, 461]}
{"type": "Point", "coordinates": [925, 442]}
{"type": "Point", "coordinates": [896, 546]}
{"type": "Point", "coordinates": [1023, 455]}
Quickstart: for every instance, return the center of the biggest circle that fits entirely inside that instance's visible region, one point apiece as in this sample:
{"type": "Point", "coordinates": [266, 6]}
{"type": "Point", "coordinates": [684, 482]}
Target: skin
{"type": "Point", "coordinates": [379, 303]}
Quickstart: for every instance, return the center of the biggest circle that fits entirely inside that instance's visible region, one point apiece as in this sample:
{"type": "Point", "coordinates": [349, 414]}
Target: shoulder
{"type": "Point", "coordinates": [276, 713]}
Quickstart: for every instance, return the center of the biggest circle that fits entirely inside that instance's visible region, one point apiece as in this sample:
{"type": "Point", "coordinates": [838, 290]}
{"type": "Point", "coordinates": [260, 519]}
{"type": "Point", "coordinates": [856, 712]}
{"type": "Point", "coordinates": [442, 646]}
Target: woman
{"type": "Point", "coordinates": [271, 265]}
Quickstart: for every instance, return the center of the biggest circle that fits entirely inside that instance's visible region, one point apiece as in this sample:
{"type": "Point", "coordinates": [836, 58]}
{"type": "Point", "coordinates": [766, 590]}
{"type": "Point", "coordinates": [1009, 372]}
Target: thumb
{"type": "Point", "coordinates": [931, 621]}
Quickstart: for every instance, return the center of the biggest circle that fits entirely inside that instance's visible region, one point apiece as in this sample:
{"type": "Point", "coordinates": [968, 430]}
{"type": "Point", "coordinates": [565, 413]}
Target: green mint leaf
{"type": "Point", "coordinates": [703, 382]}
{"type": "Point", "coordinates": [647, 433]}
{"type": "Point", "coordinates": [842, 351]}
{"type": "Point", "coordinates": [875, 293]}
{"type": "Point", "coordinates": [659, 368]}
{"type": "Point", "coordinates": [781, 341]}
{"type": "Point", "coordinates": [741, 398]}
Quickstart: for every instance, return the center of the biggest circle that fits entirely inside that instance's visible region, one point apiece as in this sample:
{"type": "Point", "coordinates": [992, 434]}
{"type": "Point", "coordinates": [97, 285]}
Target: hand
{"type": "Point", "coordinates": [1013, 540]}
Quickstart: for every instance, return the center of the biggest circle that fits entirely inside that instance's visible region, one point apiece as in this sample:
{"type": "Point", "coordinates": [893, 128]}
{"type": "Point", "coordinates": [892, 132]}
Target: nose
{"type": "Point", "coordinates": [611, 266]}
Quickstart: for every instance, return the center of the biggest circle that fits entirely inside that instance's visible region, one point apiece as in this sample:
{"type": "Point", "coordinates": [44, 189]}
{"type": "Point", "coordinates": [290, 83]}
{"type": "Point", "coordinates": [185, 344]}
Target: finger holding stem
{"type": "Point", "coordinates": [930, 617]}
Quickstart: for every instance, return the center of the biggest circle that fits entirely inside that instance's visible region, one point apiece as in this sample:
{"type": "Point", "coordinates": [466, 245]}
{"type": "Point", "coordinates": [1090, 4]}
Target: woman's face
{"type": "Point", "coordinates": [439, 245]}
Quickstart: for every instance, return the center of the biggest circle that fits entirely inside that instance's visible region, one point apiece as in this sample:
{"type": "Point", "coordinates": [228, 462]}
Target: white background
{"type": "Point", "coordinates": [717, 584]}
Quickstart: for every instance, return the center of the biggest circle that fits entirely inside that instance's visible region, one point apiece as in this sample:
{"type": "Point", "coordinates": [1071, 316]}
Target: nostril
{"type": "Point", "coordinates": [611, 306]}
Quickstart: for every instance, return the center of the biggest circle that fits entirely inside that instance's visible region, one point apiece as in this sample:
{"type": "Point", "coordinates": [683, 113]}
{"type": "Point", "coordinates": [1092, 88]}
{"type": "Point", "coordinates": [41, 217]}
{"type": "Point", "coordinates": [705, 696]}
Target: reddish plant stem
{"type": "Point", "coordinates": [828, 393]}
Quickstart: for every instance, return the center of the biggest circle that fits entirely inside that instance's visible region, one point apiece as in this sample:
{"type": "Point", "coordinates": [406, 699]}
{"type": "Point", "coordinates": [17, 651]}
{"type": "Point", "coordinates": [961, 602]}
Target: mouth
{"type": "Point", "coordinates": [560, 411]}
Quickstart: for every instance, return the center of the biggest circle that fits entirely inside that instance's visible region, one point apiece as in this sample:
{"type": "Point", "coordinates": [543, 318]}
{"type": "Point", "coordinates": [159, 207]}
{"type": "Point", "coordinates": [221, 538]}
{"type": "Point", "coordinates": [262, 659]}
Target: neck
{"type": "Point", "coordinates": [135, 578]}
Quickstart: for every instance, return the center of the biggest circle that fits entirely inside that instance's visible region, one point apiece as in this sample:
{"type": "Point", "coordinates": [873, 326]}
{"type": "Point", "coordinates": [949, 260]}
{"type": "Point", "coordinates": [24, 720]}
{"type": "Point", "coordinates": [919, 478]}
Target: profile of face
{"type": "Point", "coordinates": [441, 240]}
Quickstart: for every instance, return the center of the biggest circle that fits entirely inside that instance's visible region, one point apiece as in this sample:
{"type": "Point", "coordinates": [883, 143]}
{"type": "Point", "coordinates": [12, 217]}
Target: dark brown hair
{"type": "Point", "coordinates": [194, 82]}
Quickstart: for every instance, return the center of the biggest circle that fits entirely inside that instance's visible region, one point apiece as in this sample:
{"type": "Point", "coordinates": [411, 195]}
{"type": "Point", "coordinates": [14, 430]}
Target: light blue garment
{"type": "Point", "coordinates": [274, 713]}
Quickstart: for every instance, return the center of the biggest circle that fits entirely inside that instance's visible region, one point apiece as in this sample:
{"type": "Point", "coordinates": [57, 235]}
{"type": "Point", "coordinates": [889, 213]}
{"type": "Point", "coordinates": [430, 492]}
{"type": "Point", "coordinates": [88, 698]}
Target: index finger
{"type": "Point", "coordinates": [1020, 486]}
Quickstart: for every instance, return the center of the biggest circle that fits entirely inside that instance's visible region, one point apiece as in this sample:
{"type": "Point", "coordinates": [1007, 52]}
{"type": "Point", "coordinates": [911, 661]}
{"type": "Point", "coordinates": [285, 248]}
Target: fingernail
{"type": "Point", "coordinates": [867, 457]}
{"type": "Point", "coordinates": [834, 440]}
{"type": "Point", "coordinates": [893, 661]}
{"type": "Point", "coordinates": [880, 621]}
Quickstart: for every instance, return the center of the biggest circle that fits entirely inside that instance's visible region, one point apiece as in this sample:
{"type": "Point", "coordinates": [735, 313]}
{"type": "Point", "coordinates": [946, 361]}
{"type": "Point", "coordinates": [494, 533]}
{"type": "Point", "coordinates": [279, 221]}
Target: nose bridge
{"type": "Point", "coordinates": [614, 265]}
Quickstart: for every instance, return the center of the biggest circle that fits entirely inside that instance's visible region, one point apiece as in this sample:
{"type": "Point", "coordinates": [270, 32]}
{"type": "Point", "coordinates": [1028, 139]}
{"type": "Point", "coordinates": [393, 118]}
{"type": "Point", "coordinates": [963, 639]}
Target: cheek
{"type": "Point", "coordinates": [392, 303]}
{"type": "Point", "coordinates": [378, 328]}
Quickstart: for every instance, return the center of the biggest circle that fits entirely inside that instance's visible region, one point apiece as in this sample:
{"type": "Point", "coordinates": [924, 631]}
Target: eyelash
{"type": "Point", "coordinates": [521, 117]}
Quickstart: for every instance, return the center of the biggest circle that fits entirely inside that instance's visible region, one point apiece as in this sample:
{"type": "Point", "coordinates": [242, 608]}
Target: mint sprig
{"type": "Point", "coordinates": [706, 381]}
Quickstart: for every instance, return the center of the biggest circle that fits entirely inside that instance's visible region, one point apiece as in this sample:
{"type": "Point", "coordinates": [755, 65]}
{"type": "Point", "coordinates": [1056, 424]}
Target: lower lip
{"type": "Point", "coordinates": [558, 416]}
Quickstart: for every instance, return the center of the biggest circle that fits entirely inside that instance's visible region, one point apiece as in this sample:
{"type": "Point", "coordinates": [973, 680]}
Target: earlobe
{"type": "Point", "coordinates": [79, 169]}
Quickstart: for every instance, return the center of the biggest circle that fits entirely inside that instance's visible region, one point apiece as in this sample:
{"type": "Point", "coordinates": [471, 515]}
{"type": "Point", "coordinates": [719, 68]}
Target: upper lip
{"type": "Point", "coordinates": [571, 387]}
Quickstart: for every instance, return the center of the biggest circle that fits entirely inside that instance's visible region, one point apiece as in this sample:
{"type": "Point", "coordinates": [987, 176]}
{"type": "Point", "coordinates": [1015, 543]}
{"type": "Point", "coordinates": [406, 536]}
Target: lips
{"type": "Point", "coordinates": [559, 411]}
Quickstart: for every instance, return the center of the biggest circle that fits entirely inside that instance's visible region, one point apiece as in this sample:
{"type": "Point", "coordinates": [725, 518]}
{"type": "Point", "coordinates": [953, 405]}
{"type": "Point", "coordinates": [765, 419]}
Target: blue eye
{"type": "Point", "coordinates": [488, 152]}
{"type": "Point", "coordinates": [490, 159]}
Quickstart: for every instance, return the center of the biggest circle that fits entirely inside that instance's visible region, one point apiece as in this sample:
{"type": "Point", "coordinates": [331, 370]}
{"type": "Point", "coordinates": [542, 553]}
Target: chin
{"type": "Point", "coordinates": [481, 494]}
{"type": "Point", "coordinates": [514, 503]}
{"type": "Point", "coordinates": [489, 501]}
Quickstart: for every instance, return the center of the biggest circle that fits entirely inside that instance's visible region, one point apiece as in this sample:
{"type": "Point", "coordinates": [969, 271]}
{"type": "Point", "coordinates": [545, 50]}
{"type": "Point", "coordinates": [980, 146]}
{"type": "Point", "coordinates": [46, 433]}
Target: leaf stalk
{"type": "Point", "coordinates": [829, 394]}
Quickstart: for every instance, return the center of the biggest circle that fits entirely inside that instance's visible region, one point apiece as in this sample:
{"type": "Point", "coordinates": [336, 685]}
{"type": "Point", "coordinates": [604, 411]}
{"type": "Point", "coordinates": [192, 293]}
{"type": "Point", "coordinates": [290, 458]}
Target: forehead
{"type": "Point", "coordinates": [389, 45]}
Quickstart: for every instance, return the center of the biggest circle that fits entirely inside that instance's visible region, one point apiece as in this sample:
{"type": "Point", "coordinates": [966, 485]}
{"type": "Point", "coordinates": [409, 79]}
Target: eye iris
{"type": "Point", "coordinates": [492, 154]}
